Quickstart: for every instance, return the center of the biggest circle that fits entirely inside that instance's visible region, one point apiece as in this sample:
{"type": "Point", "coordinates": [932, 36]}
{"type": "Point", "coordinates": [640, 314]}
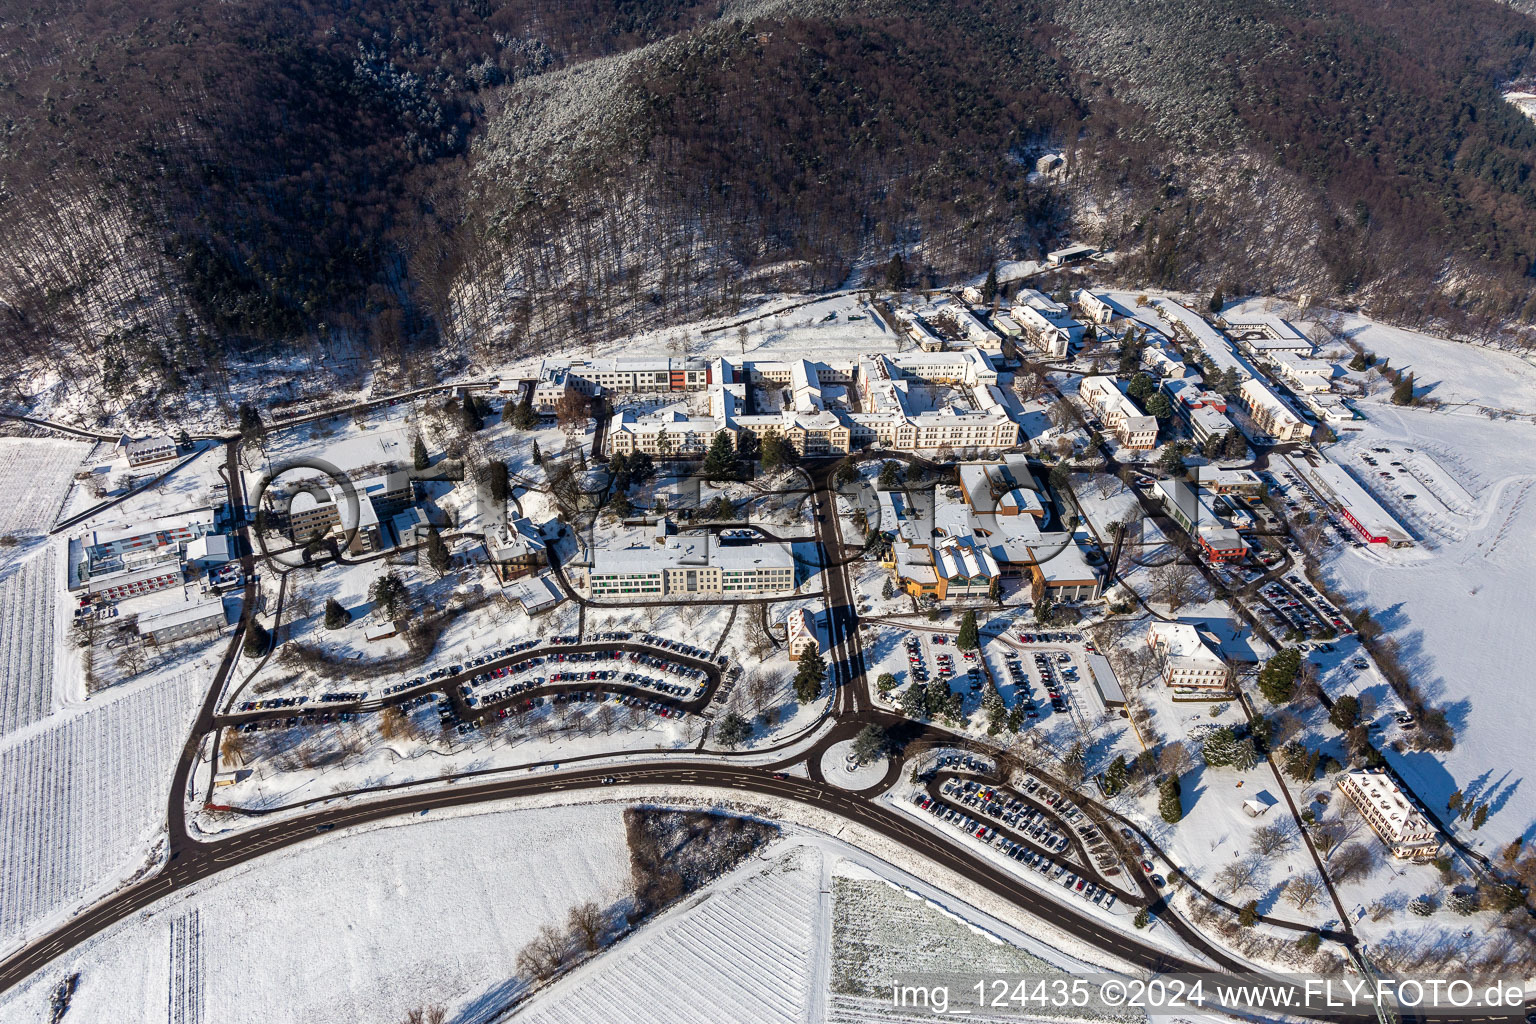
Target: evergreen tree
{"type": "Point", "coordinates": [1309, 943]}
{"type": "Point", "coordinates": [989, 286]}
{"type": "Point", "coordinates": [1140, 387]}
{"type": "Point", "coordinates": [469, 415]}
{"type": "Point", "coordinates": [437, 552]}
{"type": "Point", "coordinates": [257, 639]}
{"type": "Point", "coordinates": [896, 274]}
{"type": "Point", "coordinates": [1043, 609]}
{"type": "Point", "coordinates": [250, 422]}
{"type": "Point", "coordinates": [888, 589]}
{"type": "Point", "coordinates": [810, 671]}
{"type": "Point", "coordinates": [1296, 761]}
{"type": "Point", "coordinates": [733, 730]}
{"type": "Point", "coordinates": [1212, 447]}
{"type": "Point", "coordinates": [1345, 713]}
{"type": "Point", "coordinates": [619, 506]}
{"type": "Point", "coordinates": [1158, 406]}
{"type": "Point", "coordinates": [1216, 301]}
{"type": "Point", "coordinates": [335, 615]}
{"type": "Point", "coordinates": [1171, 461]}
{"type": "Point", "coordinates": [1480, 818]}
{"type": "Point", "coordinates": [774, 452]}
{"type": "Point", "coordinates": [1249, 915]}
{"type": "Point", "coordinates": [1234, 446]}
{"type": "Point", "coordinates": [1170, 803]}
{"type": "Point", "coordinates": [969, 638]}
{"type": "Point", "coordinates": [1453, 802]}
{"type": "Point", "coordinates": [869, 743]}
{"type": "Point", "coordinates": [419, 453]}
{"type": "Point", "coordinates": [890, 475]}
{"type": "Point", "coordinates": [538, 456]}
{"type": "Point", "coordinates": [1142, 918]}
{"type": "Point", "coordinates": [388, 594]}
{"type": "Point", "coordinates": [913, 703]}
{"type": "Point", "coordinates": [1277, 679]}
{"type": "Point", "coordinates": [1116, 775]}
{"type": "Point", "coordinates": [1402, 391]}
{"type": "Point", "coordinates": [721, 459]}
{"type": "Point", "coordinates": [523, 417]}
{"type": "Point", "coordinates": [995, 707]}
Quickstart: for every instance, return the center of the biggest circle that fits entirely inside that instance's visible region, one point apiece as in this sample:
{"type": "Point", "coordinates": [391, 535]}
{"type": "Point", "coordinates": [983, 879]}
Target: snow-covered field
{"type": "Point", "coordinates": [34, 477]}
{"type": "Point", "coordinates": [28, 590]}
{"type": "Point", "coordinates": [745, 951]}
{"type": "Point", "coordinates": [1460, 609]}
{"type": "Point", "coordinates": [83, 797]}
{"type": "Point", "coordinates": [355, 927]}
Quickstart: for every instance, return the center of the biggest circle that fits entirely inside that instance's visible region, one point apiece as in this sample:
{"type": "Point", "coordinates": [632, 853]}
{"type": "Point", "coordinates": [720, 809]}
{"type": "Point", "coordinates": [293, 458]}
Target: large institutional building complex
{"type": "Point", "coordinates": [910, 401]}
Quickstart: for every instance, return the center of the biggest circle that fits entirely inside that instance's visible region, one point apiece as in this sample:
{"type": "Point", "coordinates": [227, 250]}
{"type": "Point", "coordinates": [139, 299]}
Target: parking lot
{"type": "Point", "coordinates": [665, 677]}
{"type": "Point", "coordinates": [1036, 828]}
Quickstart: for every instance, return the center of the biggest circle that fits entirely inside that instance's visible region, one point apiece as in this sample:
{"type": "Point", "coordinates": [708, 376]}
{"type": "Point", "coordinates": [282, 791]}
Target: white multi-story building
{"type": "Point", "coordinates": [1391, 815]}
{"type": "Point", "coordinates": [1102, 308]}
{"type": "Point", "coordinates": [1303, 373]}
{"type": "Point", "coordinates": [1270, 414]}
{"type": "Point", "coordinates": [1051, 330]}
{"type": "Point", "coordinates": [910, 401]}
{"type": "Point", "coordinates": [1131, 426]}
{"type": "Point", "coordinates": [1265, 333]}
{"type": "Point", "coordinates": [1189, 661]}
{"type": "Point", "coordinates": [656, 564]}
{"type": "Point", "coordinates": [148, 451]}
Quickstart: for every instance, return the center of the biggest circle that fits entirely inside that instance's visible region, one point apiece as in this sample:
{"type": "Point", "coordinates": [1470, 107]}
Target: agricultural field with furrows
{"type": "Point", "coordinates": [82, 800]}
{"type": "Point", "coordinates": [26, 641]}
{"type": "Point", "coordinates": [34, 477]}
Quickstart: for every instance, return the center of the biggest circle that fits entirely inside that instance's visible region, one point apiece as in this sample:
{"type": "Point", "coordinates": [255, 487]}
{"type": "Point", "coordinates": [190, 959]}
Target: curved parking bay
{"type": "Point", "coordinates": [665, 675]}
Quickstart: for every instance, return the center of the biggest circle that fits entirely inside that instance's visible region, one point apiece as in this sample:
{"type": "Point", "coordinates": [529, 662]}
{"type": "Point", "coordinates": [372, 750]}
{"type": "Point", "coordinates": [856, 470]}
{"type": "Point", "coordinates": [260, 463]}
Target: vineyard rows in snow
{"type": "Point", "coordinates": [26, 641]}
{"type": "Point", "coordinates": [83, 800]}
{"type": "Point", "coordinates": [34, 477]}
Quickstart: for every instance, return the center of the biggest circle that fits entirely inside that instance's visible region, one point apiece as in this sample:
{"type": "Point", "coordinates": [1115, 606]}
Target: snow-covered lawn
{"type": "Point", "coordinates": [1460, 612]}
{"type": "Point", "coordinates": [353, 927]}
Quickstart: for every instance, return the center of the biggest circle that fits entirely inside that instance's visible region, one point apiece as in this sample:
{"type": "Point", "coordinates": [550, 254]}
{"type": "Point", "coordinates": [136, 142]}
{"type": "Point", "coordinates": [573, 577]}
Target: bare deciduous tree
{"type": "Point", "coordinates": [1269, 840]}
{"type": "Point", "coordinates": [545, 954]}
{"type": "Point", "coordinates": [587, 922]}
{"type": "Point", "coordinates": [1303, 890]}
{"type": "Point", "coordinates": [1173, 584]}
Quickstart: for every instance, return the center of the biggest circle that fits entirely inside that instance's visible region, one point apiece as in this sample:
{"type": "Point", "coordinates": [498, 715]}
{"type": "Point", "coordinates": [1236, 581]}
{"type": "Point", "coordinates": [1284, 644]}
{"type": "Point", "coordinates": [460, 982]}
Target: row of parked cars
{"type": "Point", "coordinates": [311, 717]}
{"type": "Point", "coordinates": [1053, 688]}
{"type": "Point", "coordinates": [273, 702]}
{"type": "Point", "coordinates": [1009, 810]}
{"type": "Point", "coordinates": [1016, 851]}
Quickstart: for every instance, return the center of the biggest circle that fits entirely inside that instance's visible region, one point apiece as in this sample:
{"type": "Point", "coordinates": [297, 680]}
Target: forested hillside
{"type": "Point", "coordinates": [182, 185]}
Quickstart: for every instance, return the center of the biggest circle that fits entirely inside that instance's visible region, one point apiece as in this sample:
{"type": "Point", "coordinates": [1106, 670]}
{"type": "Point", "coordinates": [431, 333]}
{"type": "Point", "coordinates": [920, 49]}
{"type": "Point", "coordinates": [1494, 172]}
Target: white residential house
{"type": "Point", "coordinates": [1188, 658]}
{"type": "Point", "coordinates": [805, 631]}
{"type": "Point", "coordinates": [148, 451]}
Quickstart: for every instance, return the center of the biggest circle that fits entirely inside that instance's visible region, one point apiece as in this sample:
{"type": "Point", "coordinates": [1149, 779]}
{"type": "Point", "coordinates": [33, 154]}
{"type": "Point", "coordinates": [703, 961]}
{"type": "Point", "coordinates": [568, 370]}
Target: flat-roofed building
{"type": "Point", "coordinates": [179, 621]}
{"type": "Point", "coordinates": [655, 563]}
{"type": "Point", "coordinates": [1391, 815]}
{"type": "Point", "coordinates": [1303, 373]}
{"type": "Point", "coordinates": [1360, 509]}
{"type": "Point", "coordinates": [1270, 414]}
